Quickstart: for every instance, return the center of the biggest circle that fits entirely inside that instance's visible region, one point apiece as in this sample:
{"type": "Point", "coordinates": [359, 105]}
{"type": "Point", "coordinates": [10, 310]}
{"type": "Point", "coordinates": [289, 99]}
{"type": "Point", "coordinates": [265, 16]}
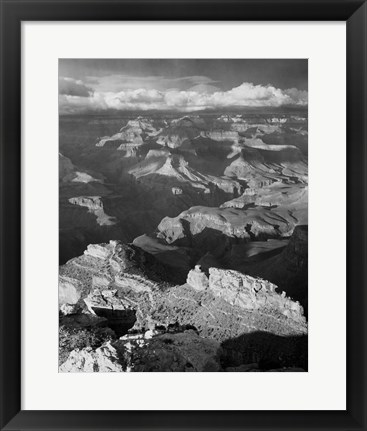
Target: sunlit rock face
{"type": "Point", "coordinates": [95, 206]}
{"type": "Point", "coordinates": [197, 279]}
{"type": "Point", "coordinates": [253, 293]}
{"type": "Point", "coordinates": [102, 360]}
{"type": "Point", "coordinates": [131, 135]}
{"type": "Point", "coordinates": [204, 226]}
{"type": "Point", "coordinates": [222, 135]}
{"type": "Point", "coordinates": [164, 169]}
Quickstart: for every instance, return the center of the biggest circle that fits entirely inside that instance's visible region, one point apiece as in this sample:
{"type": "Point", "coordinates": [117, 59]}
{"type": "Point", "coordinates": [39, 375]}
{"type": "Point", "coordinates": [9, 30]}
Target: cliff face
{"type": "Point", "coordinates": [69, 174]}
{"type": "Point", "coordinates": [66, 168]}
{"type": "Point", "coordinates": [131, 136]}
{"type": "Point", "coordinates": [296, 253]}
{"type": "Point", "coordinates": [288, 269]}
{"type": "Point", "coordinates": [161, 169]}
{"type": "Point", "coordinates": [205, 227]}
{"type": "Point", "coordinates": [95, 206]}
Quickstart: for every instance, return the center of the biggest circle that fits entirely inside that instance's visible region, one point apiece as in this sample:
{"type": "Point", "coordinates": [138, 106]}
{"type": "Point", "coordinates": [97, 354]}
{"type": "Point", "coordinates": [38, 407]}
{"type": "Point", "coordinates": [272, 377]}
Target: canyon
{"type": "Point", "coordinates": [184, 242]}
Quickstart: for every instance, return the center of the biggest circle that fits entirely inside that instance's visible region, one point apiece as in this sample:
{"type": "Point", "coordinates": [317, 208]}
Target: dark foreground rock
{"type": "Point", "coordinates": [181, 352]}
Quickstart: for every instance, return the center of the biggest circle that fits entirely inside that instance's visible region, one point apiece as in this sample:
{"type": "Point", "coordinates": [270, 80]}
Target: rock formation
{"type": "Point", "coordinates": [69, 173]}
{"type": "Point", "coordinates": [161, 168]}
{"type": "Point", "coordinates": [103, 360]}
{"type": "Point", "coordinates": [95, 206]}
{"type": "Point", "coordinates": [205, 227]}
{"type": "Point", "coordinates": [197, 279]}
{"type": "Point", "coordinates": [120, 277]}
{"type": "Point", "coordinates": [131, 136]}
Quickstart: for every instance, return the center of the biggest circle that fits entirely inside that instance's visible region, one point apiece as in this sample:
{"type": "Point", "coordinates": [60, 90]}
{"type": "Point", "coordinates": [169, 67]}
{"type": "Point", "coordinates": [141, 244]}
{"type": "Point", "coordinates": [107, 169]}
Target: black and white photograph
{"type": "Point", "coordinates": [183, 215]}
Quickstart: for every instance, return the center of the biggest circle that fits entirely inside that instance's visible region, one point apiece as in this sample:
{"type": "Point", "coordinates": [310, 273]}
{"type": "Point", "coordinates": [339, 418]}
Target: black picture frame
{"type": "Point", "coordinates": [13, 12]}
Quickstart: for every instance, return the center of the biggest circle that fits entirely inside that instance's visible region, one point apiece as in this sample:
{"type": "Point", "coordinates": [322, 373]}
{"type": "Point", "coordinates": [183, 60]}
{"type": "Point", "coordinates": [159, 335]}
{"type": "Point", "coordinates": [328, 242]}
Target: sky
{"type": "Point", "coordinates": [101, 85]}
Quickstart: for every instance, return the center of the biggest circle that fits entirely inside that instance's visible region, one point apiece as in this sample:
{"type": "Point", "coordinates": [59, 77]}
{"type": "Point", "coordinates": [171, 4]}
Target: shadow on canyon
{"type": "Point", "coordinates": [136, 209]}
{"type": "Point", "coordinates": [268, 350]}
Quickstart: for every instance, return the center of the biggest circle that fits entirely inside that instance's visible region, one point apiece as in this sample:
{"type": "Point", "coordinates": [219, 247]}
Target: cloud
{"type": "Point", "coordinates": [82, 105]}
{"type": "Point", "coordinates": [73, 87]}
{"type": "Point", "coordinates": [117, 83]}
{"type": "Point", "coordinates": [204, 88]}
{"type": "Point", "coordinates": [296, 95]}
{"type": "Point", "coordinates": [196, 98]}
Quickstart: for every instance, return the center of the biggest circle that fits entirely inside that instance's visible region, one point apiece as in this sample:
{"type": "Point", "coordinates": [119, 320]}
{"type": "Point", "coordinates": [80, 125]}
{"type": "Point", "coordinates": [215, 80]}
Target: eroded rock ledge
{"type": "Point", "coordinates": [246, 292]}
{"type": "Point", "coordinates": [123, 279]}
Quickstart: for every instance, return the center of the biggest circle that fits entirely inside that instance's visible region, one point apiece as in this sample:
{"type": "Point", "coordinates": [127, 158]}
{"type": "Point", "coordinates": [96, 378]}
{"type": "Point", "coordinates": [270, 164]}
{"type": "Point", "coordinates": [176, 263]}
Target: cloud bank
{"type": "Point", "coordinates": [73, 87]}
{"type": "Point", "coordinates": [116, 83]}
{"type": "Point", "coordinates": [79, 97]}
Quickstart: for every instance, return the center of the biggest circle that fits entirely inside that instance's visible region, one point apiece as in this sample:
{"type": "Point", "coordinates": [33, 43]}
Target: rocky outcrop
{"type": "Point", "coordinates": [253, 294]}
{"type": "Point", "coordinates": [205, 227]}
{"type": "Point", "coordinates": [177, 137]}
{"type": "Point", "coordinates": [245, 291]}
{"type": "Point", "coordinates": [95, 206]}
{"type": "Point", "coordinates": [102, 360]}
{"type": "Point", "coordinates": [93, 203]}
{"type": "Point", "coordinates": [197, 279]}
{"type": "Point", "coordinates": [221, 135]}
{"type": "Point", "coordinates": [261, 165]}
{"type": "Point", "coordinates": [180, 352]}
{"type": "Point", "coordinates": [69, 291]}
{"type": "Point", "coordinates": [181, 132]}
{"type": "Point", "coordinates": [103, 266]}
{"type": "Point", "coordinates": [190, 121]}
{"type": "Point", "coordinates": [229, 303]}
{"type": "Point", "coordinates": [177, 190]}
{"type": "Point", "coordinates": [131, 136]}
{"type": "Point", "coordinates": [174, 172]}
{"type": "Point", "coordinates": [288, 200]}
